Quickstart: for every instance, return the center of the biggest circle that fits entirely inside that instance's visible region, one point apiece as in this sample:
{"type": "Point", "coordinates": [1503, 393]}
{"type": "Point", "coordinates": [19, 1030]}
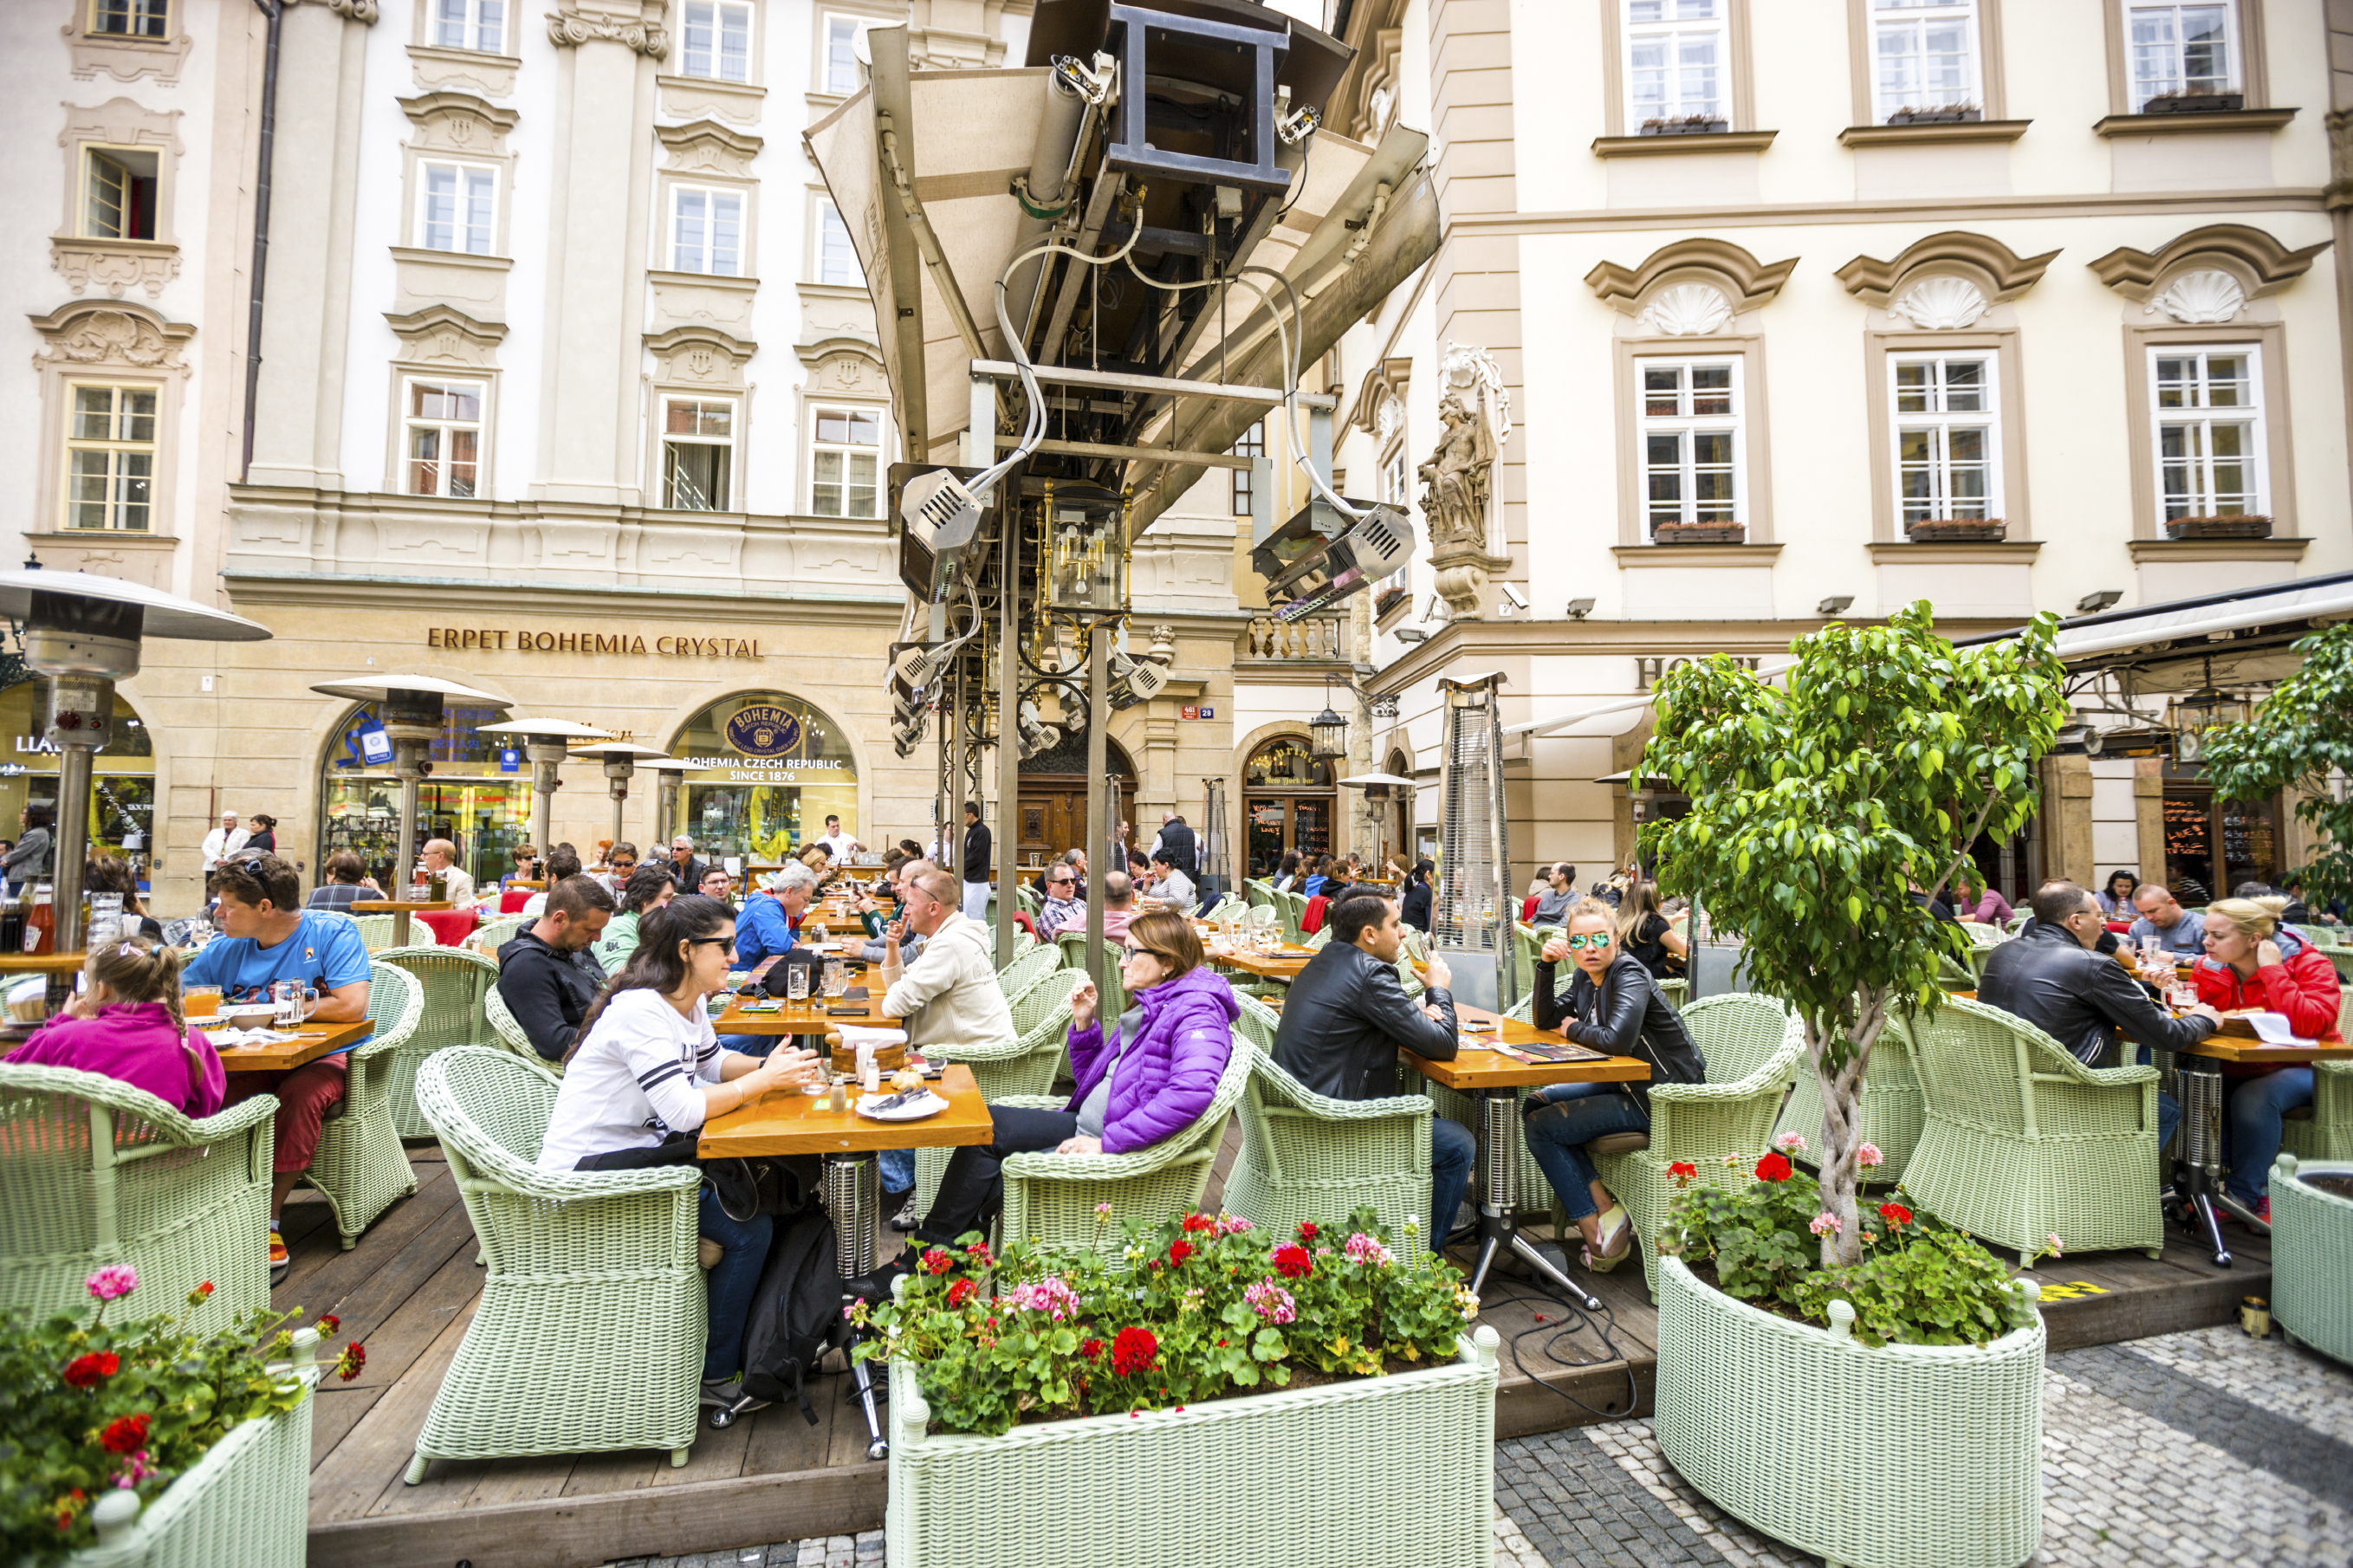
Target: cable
{"type": "Point", "coordinates": [1574, 1321]}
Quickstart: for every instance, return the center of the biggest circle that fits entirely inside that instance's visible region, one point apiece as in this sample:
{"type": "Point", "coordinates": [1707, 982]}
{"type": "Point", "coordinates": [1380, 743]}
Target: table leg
{"type": "Point", "coordinates": [1499, 1197]}
{"type": "Point", "coordinates": [400, 927]}
{"type": "Point", "coordinates": [2201, 1086]}
{"type": "Point", "coordinates": [853, 1196]}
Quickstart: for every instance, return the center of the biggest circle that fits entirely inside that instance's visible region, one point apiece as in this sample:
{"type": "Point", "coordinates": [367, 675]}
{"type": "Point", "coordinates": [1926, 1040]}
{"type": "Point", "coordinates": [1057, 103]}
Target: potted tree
{"type": "Point", "coordinates": [1816, 810]}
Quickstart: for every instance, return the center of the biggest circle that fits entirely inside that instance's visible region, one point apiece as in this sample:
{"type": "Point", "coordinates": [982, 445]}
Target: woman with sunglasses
{"type": "Point", "coordinates": [644, 1073]}
{"type": "Point", "coordinates": [1614, 1005]}
{"type": "Point", "coordinates": [1150, 1074]}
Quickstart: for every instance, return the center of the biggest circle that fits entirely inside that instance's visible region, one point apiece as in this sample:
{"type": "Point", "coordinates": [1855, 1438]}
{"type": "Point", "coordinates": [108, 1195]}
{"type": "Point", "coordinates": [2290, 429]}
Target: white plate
{"type": "Point", "coordinates": [929, 1104]}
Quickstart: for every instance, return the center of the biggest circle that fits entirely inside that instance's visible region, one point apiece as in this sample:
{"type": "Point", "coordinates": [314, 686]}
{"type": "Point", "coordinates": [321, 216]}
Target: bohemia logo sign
{"type": "Point", "coordinates": [764, 732]}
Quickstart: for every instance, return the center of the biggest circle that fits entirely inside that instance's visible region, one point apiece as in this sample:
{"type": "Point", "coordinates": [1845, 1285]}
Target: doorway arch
{"type": "Point", "coordinates": [1053, 814]}
{"type": "Point", "coordinates": [1289, 802]}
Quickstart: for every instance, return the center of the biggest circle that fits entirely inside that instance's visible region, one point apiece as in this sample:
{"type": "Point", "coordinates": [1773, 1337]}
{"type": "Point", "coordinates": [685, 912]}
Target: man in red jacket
{"type": "Point", "coordinates": [2252, 961]}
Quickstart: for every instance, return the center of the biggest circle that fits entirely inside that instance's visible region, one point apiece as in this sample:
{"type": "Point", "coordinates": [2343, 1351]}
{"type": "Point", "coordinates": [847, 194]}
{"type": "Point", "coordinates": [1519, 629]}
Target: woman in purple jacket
{"type": "Point", "coordinates": [1150, 1076]}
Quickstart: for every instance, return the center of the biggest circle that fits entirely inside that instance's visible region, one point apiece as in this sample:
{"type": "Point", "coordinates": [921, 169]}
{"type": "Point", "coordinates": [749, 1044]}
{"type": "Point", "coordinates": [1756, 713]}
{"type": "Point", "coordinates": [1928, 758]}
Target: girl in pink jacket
{"type": "Point", "coordinates": [126, 1024]}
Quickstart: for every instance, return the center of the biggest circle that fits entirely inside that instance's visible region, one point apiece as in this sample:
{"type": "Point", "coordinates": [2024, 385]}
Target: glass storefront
{"type": "Point", "coordinates": [1289, 803]}
{"type": "Point", "coordinates": [122, 775]}
{"type": "Point", "coordinates": [769, 770]}
{"type": "Point", "coordinates": [478, 796]}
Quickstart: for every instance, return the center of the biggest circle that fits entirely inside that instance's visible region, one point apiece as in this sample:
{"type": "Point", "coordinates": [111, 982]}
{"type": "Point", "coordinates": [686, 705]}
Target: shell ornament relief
{"type": "Point", "coordinates": [2205, 295]}
{"type": "Point", "coordinates": [1941, 304]}
{"type": "Point", "coordinates": [1686, 311]}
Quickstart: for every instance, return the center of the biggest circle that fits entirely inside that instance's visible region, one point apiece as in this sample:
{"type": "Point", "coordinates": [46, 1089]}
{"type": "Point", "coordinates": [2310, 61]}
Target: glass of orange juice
{"type": "Point", "coordinates": [200, 1001]}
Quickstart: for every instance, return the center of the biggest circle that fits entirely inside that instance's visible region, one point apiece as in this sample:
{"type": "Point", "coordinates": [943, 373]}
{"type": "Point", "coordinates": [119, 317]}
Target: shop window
{"type": "Point", "coordinates": [110, 459]}
{"type": "Point", "coordinates": [698, 453]}
{"type": "Point", "coordinates": [843, 462]}
{"type": "Point", "coordinates": [478, 797]}
{"type": "Point", "coordinates": [443, 437]}
{"type": "Point", "coordinates": [767, 770]}
{"type": "Point", "coordinates": [119, 193]}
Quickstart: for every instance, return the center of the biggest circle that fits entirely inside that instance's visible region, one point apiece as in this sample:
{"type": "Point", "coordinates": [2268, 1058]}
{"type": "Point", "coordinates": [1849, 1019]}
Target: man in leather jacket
{"type": "Point", "coordinates": [2053, 977]}
{"type": "Point", "coordinates": [1346, 1017]}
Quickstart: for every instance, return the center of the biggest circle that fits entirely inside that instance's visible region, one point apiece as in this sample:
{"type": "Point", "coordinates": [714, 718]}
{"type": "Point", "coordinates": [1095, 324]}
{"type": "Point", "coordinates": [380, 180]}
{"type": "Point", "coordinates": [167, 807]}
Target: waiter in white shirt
{"type": "Point", "coordinates": [224, 841]}
{"type": "Point", "coordinates": [837, 844]}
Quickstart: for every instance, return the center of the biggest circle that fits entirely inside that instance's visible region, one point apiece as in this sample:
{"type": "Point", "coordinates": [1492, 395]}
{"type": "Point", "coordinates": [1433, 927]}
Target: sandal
{"type": "Point", "coordinates": [1621, 1233]}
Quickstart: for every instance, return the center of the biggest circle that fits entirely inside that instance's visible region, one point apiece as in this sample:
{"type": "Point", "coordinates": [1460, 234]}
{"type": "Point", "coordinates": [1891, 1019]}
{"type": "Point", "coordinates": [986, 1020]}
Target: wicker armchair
{"type": "Point", "coordinates": [375, 931]}
{"type": "Point", "coordinates": [1261, 893]}
{"type": "Point", "coordinates": [2023, 1142]}
{"type": "Point", "coordinates": [1294, 909]}
{"type": "Point", "coordinates": [2324, 1130]}
{"type": "Point", "coordinates": [1307, 1157]}
{"type": "Point", "coordinates": [492, 934]}
{"type": "Point", "coordinates": [1027, 967]}
{"type": "Point", "coordinates": [97, 1171]}
{"type": "Point", "coordinates": [1025, 1069]}
{"type": "Point", "coordinates": [1894, 1109]}
{"type": "Point", "coordinates": [508, 1035]}
{"type": "Point", "coordinates": [1052, 1197]}
{"type": "Point", "coordinates": [1751, 1044]}
{"type": "Point", "coordinates": [454, 980]}
{"type": "Point", "coordinates": [592, 1280]}
{"type": "Point", "coordinates": [360, 1164]}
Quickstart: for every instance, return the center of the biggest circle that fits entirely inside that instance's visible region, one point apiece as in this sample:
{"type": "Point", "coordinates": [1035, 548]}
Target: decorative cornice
{"type": "Point", "coordinates": [678, 338]}
{"type": "Point", "coordinates": [1386, 380]}
{"type": "Point", "coordinates": [570, 30]}
{"type": "Point", "coordinates": [2262, 264]}
{"type": "Point", "coordinates": [446, 334]}
{"type": "Point", "coordinates": [1984, 260]}
{"type": "Point", "coordinates": [364, 12]}
{"type": "Point", "coordinates": [1746, 282]}
{"type": "Point", "coordinates": [426, 107]}
{"type": "Point", "coordinates": [112, 332]}
{"type": "Point", "coordinates": [678, 138]}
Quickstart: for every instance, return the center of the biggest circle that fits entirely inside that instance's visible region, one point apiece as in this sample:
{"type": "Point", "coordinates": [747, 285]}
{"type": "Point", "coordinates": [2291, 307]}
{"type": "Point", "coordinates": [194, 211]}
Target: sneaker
{"type": "Point", "coordinates": [277, 1257]}
{"type": "Point", "coordinates": [728, 1394]}
{"type": "Point", "coordinates": [906, 1219]}
{"type": "Point", "coordinates": [876, 1287]}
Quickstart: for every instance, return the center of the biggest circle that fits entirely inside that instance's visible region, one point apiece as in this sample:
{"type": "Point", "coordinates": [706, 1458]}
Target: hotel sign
{"type": "Point", "coordinates": [525, 640]}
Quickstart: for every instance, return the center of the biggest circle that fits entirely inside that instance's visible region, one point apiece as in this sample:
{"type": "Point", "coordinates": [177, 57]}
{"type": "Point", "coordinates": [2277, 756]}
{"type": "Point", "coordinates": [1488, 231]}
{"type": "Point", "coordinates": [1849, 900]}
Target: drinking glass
{"type": "Point", "coordinates": [105, 918]}
{"type": "Point", "coordinates": [837, 977]}
{"type": "Point", "coordinates": [287, 996]}
{"type": "Point", "coordinates": [200, 1001]}
{"type": "Point", "coordinates": [796, 983]}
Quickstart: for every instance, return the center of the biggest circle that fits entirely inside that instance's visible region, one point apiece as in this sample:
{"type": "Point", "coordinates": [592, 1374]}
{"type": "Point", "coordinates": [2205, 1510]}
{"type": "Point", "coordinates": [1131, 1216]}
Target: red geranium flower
{"type": "Point", "coordinates": [1178, 1251]}
{"type": "Point", "coordinates": [1133, 1350]}
{"type": "Point", "coordinates": [1895, 1214]}
{"type": "Point", "coordinates": [1772, 1168]}
{"type": "Point", "coordinates": [1292, 1262]}
{"type": "Point", "coordinates": [197, 1296]}
{"type": "Point", "coordinates": [1197, 1222]}
{"type": "Point", "coordinates": [1092, 1350]}
{"type": "Point", "coordinates": [90, 1370]}
{"type": "Point", "coordinates": [1683, 1171]}
{"type": "Point", "coordinates": [1306, 1230]}
{"type": "Point", "coordinates": [978, 1253]}
{"type": "Point", "coordinates": [328, 1324]}
{"type": "Point", "coordinates": [936, 1262]}
{"type": "Point", "coordinates": [961, 1291]}
{"type": "Point", "coordinates": [126, 1435]}
{"type": "Point", "coordinates": [354, 1358]}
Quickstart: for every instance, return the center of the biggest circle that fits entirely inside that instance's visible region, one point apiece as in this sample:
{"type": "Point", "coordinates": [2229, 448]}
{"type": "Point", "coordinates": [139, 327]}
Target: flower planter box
{"type": "Point", "coordinates": [1905, 1457]}
{"type": "Point", "coordinates": [1700, 534]}
{"type": "Point", "coordinates": [1936, 116]}
{"type": "Point", "coordinates": [1696, 126]}
{"type": "Point", "coordinates": [1377, 1472]}
{"type": "Point", "coordinates": [2195, 103]}
{"type": "Point", "coordinates": [1958, 530]}
{"type": "Point", "coordinates": [2219, 528]}
{"type": "Point", "coordinates": [247, 1502]}
{"type": "Point", "coordinates": [2312, 1256]}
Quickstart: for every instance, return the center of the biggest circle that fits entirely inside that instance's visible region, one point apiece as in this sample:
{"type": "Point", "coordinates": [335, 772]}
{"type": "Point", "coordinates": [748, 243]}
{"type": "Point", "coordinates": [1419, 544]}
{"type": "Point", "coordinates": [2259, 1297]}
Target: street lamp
{"type": "Point", "coordinates": [410, 709]}
{"type": "Point", "coordinates": [83, 633]}
{"type": "Point", "coordinates": [1327, 732]}
{"type": "Point", "coordinates": [621, 758]}
{"type": "Point", "coordinates": [546, 742]}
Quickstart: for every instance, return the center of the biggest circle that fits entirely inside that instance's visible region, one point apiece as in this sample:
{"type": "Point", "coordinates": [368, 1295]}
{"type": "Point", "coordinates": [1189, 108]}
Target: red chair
{"type": "Point", "coordinates": [1311, 918]}
{"type": "Point", "coordinates": [1021, 917]}
{"type": "Point", "coordinates": [451, 927]}
{"type": "Point", "coordinates": [1527, 908]}
{"type": "Point", "coordinates": [513, 900]}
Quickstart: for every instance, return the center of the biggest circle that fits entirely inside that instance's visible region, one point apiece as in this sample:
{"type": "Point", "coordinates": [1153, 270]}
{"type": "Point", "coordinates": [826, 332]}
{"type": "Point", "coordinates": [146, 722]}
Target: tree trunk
{"type": "Point", "coordinates": [1842, 1132]}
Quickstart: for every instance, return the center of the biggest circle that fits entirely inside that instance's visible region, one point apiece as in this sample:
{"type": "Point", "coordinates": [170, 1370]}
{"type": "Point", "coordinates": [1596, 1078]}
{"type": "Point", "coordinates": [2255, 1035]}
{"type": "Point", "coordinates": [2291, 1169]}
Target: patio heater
{"type": "Point", "coordinates": [621, 759]}
{"type": "Point", "coordinates": [410, 708]}
{"type": "Point", "coordinates": [1217, 844]}
{"type": "Point", "coordinates": [546, 742]}
{"type": "Point", "coordinates": [83, 633]}
{"type": "Point", "coordinates": [673, 772]}
{"type": "Point", "coordinates": [1471, 920]}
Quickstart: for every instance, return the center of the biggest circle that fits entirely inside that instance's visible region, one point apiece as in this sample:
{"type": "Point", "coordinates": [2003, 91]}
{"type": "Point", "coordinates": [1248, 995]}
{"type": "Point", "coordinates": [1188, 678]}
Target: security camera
{"type": "Point", "coordinates": [2091, 603]}
{"type": "Point", "coordinates": [1134, 681]}
{"type": "Point", "coordinates": [1512, 592]}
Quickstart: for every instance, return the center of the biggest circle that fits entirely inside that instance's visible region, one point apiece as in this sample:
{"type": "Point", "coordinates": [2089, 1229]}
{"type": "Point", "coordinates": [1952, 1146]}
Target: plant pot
{"type": "Point", "coordinates": [1936, 116]}
{"type": "Point", "coordinates": [1683, 127]}
{"type": "Point", "coordinates": [2195, 103]}
{"type": "Point", "coordinates": [1905, 1457]}
{"type": "Point", "coordinates": [1399, 1470]}
{"type": "Point", "coordinates": [1700, 534]}
{"type": "Point", "coordinates": [1958, 530]}
{"type": "Point", "coordinates": [248, 1501]}
{"type": "Point", "coordinates": [2312, 1256]}
{"type": "Point", "coordinates": [2219, 528]}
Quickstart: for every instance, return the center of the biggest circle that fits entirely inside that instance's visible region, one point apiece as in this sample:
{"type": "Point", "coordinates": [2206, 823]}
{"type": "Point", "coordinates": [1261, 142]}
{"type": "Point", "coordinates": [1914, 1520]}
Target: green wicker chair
{"type": "Point", "coordinates": [1314, 942]}
{"type": "Point", "coordinates": [2023, 1142]}
{"type": "Point", "coordinates": [1052, 1197]}
{"type": "Point", "coordinates": [1752, 1045]}
{"type": "Point", "coordinates": [1027, 967]}
{"type": "Point", "coordinates": [1308, 1157]}
{"type": "Point", "coordinates": [1025, 1069]}
{"type": "Point", "coordinates": [1677, 991]}
{"type": "Point", "coordinates": [1073, 944]}
{"type": "Point", "coordinates": [488, 938]}
{"type": "Point", "coordinates": [593, 1283]}
{"type": "Point", "coordinates": [1894, 1109]}
{"type": "Point", "coordinates": [1259, 893]}
{"type": "Point", "coordinates": [1025, 898]}
{"type": "Point", "coordinates": [507, 1034]}
{"type": "Point", "coordinates": [1527, 943]}
{"type": "Point", "coordinates": [454, 980]}
{"type": "Point", "coordinates": [1292, 907]}
{"type": "Point", "coordinates": [97, 1171]}
{"type": "Point", "coordinates": [2324, 1130]}
{"type": "Point", "coordinates": [360, 1164]}
{"type": "Point", "coordinates": [1257, 1023]}
{"type": "Point", "coordinates": [1983, 940]}
{"type": "Point", "coordinates": [375, 931]}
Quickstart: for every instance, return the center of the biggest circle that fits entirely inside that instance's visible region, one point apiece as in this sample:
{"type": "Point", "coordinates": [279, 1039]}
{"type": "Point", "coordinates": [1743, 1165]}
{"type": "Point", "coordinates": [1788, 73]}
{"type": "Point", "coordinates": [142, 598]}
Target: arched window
{"type": "Point", "coordinates": [1285, 762]}
{"type": "Point", "coordinates": [769, 768]}
{"type": "Point", "coordinates": [122, 775]}
{"type": "Point", "coordinates": [1288, 803]}
{"type": "Point", "coordinates": [478, 796]}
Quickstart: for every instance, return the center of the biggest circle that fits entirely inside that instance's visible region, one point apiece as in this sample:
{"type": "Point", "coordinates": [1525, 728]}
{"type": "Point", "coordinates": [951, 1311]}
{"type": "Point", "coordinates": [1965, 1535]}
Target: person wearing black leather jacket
{"type": "Point", "coordinates": [1346, 1016]}
{"type": "Point", "coordinates": [2054, 975]}
{"type": "Point", "coordinates": [1615, 1005]}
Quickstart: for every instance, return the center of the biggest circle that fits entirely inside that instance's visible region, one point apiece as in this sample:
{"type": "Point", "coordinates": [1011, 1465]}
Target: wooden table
{"type": "Point", "coordinates": [311, 1041]}
{"type": "Point", "coordinates": [1284, 966]}
{"type": "Point", "coordinates": [2251, 1051]}
{"type": "Point", "coordinates": [399, 910]}
{"type": "Point", "coordinates": [1475, 1069]}
{"type": "Point", "coordinates": [60, 968]}
{"type": "Point", "coordinates": [2203, 1092]}
{"type": "Point", "coordinates": [807, 1018]}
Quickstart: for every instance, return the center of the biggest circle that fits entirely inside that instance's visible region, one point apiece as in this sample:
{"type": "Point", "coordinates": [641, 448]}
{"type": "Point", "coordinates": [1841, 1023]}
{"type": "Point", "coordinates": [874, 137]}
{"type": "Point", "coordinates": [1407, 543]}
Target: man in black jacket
{"type": "Point", "coordinates": [1346, 1016]}
{"type": "Point", "coordinates": [974, 869]}
{"type": "Point", "coordinates": [686, 868]}
{"type": "Point", "coordinates": [547, 976]}
{"type": "Point", "coordinates": [1179, 841]}
{"type": "Point", "coordinates": [2052, 975]}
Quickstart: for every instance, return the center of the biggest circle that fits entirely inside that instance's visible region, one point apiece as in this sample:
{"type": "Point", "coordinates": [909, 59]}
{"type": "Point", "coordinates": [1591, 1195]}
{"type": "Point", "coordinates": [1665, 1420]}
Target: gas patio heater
{"type": "Point", "coordinates": [621, 759]}
{"type": "Point", "coordinates": [673, 772]}
{"type": "Point", "coordinates": [410, 708]}
{"type": "Point", "coordinates": [83, 633]}
{"type": "Point", "coordinates": [546, 742]}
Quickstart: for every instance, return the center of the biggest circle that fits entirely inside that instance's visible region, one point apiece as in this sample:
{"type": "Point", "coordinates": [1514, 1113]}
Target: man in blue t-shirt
{"type": "Point", "coordinates": [270, 937]}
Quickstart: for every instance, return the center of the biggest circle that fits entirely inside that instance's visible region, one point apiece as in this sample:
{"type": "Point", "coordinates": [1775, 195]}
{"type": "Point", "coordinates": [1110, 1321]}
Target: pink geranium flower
{"type": "Point", "coordinates": [1271, 1301]}
{"type": "Point", "coordinates": [1789, 1142]}
{"type": "Point", "coordinates": [1868, 1156]}
{"type": "Point", "coordinates": [112, 1282]}
{"type": "Point", "coordinates": [1363, 1249]}
{"type": "Point", "coordinates": [1825, 1224]}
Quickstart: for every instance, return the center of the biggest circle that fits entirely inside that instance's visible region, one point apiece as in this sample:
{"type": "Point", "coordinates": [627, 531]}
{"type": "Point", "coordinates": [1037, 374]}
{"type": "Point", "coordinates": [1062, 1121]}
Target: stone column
{"type": "Point", "coordinates": [2337, 196]}
{"type": "Point", "coordinates": [2149, 815]}
{"type": "Point", "coordinates": [1364, 821]}
{"type": "Point", "coordinates": [2067, 819]}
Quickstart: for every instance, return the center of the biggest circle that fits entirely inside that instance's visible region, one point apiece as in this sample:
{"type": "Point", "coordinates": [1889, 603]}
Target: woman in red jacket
{"type": "Point", "coordinates": [2253, 962]}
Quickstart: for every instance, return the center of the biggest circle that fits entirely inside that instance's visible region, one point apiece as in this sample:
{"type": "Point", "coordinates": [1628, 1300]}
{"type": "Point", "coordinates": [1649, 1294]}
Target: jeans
{"type": "Point", "coordinates": [972, 1188]}
{"type": "Point", "coordinates": [2169, 1118]}
{"type": "Point", "coordinates": [743, 1253]}
{"type": "Point", "coordinates": [752, 1044]}
{"type": "Point", "coordinates": [1452, 1150]}
{"type": "Point", "coordinates": [1561, 1119]}
{"type": "Point", "coordinates": [897, 1170]}
{"type": "Point", "coordinates": [2256, 1106]}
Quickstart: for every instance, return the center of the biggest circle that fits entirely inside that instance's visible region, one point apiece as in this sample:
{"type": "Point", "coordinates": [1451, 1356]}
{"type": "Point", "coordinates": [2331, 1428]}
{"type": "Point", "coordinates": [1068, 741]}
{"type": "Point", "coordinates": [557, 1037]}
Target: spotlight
{"type": "Point", "coordinates": [1836, 605]}
{"type": "Point", "coordinates": [2094, 603]}
{"type": "Point", "coordinates": [1579, 608]}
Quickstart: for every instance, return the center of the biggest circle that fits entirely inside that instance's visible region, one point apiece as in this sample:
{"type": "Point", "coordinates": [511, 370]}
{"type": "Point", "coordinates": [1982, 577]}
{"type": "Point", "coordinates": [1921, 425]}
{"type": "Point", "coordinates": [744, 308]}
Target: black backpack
{"type": "Point", "coordinates": [796, 1314]}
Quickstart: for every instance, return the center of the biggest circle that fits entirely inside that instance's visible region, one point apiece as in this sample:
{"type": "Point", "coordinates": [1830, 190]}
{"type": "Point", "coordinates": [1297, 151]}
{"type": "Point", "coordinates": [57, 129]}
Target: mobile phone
{"type": "Point", "coordinates": [845, 1012]}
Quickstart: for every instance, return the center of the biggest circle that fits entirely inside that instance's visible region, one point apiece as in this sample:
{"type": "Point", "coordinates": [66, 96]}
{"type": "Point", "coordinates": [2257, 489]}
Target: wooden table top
{"type": "Point", "coordinates": [1476, 1068]}
{"type": "Point", "coordinates": [311, 1041]}
{"type": "Point", "coordinates": [1283, 965]}
{"type": "Point", "coordinates": [400, 906]}
{"type": "Point", "coordinates": [807, 1018]}
{"type": "Point", "coordinates": [41, 962]}
{"type": "Point", "coordinates": [2253, 1052]}
{"type": "Point", "coordinates": [787, 1121]}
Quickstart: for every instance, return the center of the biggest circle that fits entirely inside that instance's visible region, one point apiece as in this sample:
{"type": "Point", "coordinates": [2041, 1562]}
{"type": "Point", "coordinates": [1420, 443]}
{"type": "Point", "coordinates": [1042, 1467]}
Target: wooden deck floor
{"type": "Point", "coordinates": [408, 1289]}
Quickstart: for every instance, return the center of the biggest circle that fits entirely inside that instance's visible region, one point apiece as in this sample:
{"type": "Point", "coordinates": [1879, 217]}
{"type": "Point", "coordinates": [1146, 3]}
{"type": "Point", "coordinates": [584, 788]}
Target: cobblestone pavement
{"type": "Point", "coordinates": [2181, 1451]}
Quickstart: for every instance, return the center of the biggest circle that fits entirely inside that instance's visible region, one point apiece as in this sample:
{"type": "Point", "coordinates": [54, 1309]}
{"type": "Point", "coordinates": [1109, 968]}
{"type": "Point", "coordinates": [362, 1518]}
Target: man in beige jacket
{"type": "Point", "coordinates": [949, 994]}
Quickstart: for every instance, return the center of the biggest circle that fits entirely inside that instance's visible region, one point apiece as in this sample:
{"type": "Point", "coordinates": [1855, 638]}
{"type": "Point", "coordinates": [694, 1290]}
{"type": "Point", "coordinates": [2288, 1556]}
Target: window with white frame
{"type": "Point", "coordinates": [1677, 55]}
{"type": "Point", "coordinates": [469, 24]}
{"type": "Point", "coordinates": [1692, 440]}
{"type": "Point", "coordinates": [456, 207]}
{"type": "Point", "coordinates": [1245, 480]}
{"type": "Point", "coordinates": [2180, 51]}
{"type": "Point", "coordinates": [119, 193]}
{"type": "Point", "coordinates": [715, 39]}
{"type": "Point", "coordinates": [837, 258]}
{"type": "Point", "coordinates": [1394, 490]}
{"type": "Point", "coordinates": [844, 458]}
{"type": "Point", "coordinates": [130, 18]}
{"type": "Point", "coordinates": [706, 228]}
{"type": "Point", "coordinates": [837, 61]}
{"type": "Point", "coordinates": [441, 438]}
{"type": "Point", "coordinates": [698, 453]}
{"type": "Point", "coordinates": [1947, 446]}
{"type": "Point", "coordinates": [2209, 431]}
{"type": "Point", "coordinates": [110, 458]}
{"type": "Point", "coordinates": [1923, 56]}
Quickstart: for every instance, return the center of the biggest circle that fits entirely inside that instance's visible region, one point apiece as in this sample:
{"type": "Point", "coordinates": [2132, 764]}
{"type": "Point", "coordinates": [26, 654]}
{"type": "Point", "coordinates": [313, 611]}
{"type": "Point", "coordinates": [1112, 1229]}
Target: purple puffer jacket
{"type": "Point", "coordinates": [1170, 1073]}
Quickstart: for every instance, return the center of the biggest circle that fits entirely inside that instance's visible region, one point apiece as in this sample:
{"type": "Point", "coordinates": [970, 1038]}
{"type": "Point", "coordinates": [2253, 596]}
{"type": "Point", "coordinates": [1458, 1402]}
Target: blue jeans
{"type": "Point", "coordinates": [1561, 1119]}
{"type": "Point", "coordinates": [897, 1170]}
{"type": "Point", "coordinates": [2256, 1106]}
{"type": "Point", "coordinates": [1452, 1150]}
{"type": "Point", "coordinates": [2169, 1118]}
{"type": "Point", "coordinates": [743, 1253]}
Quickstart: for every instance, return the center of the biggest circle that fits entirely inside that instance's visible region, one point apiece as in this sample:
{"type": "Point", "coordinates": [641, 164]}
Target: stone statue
{"type": "Point", "coordinates": [1458, 479]}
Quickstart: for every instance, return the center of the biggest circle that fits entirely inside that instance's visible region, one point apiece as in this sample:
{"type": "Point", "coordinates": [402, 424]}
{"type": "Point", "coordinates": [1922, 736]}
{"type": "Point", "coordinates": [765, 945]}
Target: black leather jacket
{"type": "Point", "coordinates": [548, 991]}
{"type": "Point", "coordinates": [2079, 996]}
{"type": "Point", "coordinates": [1626, 1016]}
{"type": "Point", "coordinates": [1345, 1018]}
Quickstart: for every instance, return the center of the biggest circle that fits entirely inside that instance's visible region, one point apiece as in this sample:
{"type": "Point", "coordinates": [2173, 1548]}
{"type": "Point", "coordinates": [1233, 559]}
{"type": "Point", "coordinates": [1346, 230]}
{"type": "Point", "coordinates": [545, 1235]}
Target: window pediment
{"type": "Point", "coordinates": [2161, 280]}
{"type": "Point", "coordinates": [1998, 273]}
{"type": "Point", "coordinates": [459, 123]}
{"type": "Point", "coordinates": [708, 148]}
{"type": "Point", "coordinates": [113, 335]}
{"type": "Point", "coordinates": [1744, 283]}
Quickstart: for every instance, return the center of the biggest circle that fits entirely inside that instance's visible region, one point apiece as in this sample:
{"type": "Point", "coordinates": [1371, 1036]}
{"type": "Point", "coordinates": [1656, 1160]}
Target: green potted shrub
{"type": "Point", "coordinates": [1157, 1405]}
{"type": "Point", "coordinates": [2312, 1252]}
{"type": "Point", "coordinates": [137, 1442]}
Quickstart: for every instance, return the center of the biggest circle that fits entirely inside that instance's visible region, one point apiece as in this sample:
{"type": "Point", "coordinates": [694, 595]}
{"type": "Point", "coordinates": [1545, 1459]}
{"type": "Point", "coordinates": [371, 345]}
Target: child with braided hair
{"type": "Point", "coordinates": [126, 1024]}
